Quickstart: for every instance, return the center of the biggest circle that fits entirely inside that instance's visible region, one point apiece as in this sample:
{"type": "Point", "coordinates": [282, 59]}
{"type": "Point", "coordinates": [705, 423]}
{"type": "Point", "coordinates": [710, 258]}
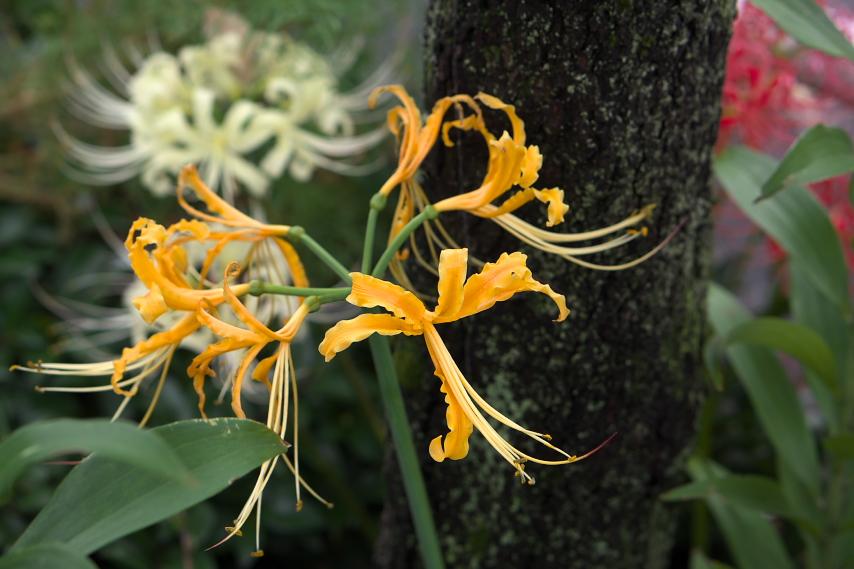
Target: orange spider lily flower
{"type": "Point", "coordinates": [159, 257]}
{"type": "Point", "coordinates": [458, 298]}
{"type": "Point", "coordinates": [252, 340]}
{"type": "Point", "coordinates": [417, 138]}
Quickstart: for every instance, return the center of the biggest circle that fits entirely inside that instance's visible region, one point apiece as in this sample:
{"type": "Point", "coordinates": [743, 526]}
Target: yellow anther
{"type": "Point", "coordinates": [259, 553]}
{"type": "Point", "coordinates": [299, 506]}
{"type": "Point", "coordinates": [231, 530]}
{"type": "Point", "coordinates": [547, 437]}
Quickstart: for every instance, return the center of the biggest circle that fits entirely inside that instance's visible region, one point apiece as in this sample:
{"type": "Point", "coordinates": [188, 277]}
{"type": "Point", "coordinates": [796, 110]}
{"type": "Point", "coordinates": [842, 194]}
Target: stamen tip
{"type": "Point", "coordinates": [299, 506]}
{"type": "Point", "coordinates": [259, 553]}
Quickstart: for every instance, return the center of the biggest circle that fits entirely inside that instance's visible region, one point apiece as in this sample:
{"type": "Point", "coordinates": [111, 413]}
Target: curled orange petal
{"type": "Point", "coordinates": [339, 337]}
{"type": "Point", "coordinates": [369, 292]}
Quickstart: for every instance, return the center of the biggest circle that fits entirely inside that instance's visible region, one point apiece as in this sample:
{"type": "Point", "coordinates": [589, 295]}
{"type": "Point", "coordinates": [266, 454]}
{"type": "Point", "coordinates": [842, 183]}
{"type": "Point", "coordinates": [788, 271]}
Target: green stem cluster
{"type": "Point", "coordinates": [401, 432]}
{"type": "Point", "coordinates": [429, 213]}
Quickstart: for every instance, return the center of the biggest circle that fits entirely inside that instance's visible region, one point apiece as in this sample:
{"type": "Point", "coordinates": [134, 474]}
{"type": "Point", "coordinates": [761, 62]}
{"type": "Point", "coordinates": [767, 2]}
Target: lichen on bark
{"type": "Point", "coordinates": [623, 99]}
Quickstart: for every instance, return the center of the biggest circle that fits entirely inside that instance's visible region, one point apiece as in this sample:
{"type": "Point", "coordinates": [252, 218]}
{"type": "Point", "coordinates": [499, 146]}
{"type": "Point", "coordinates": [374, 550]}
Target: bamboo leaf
{"type": "Point", "coordinates": [751, 538]}
{"type": "Point", "coordinates": [794, 218]}
{"type": "Point", "coordinates": [771, 393]}
{"type": "Point", "coordinates": [796, 340]}
{"type": "Point", "coordinates": [821, 152]}
{"type": "Point", "coordinates": [103, 499]}
{"type": "Point", "coordinates": [805, 21]}
{"type": "Point", "coordinates": [120, 440]}
{"type": "Point", "coordinates": [813, 309]}
{"type": "Point", "coordinates": [757, 493]}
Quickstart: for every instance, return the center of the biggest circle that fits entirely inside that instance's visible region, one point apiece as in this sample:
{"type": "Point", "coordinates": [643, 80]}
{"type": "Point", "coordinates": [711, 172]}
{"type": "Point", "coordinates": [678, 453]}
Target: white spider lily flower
{"type": "Point", "coordinates": [217, 105]}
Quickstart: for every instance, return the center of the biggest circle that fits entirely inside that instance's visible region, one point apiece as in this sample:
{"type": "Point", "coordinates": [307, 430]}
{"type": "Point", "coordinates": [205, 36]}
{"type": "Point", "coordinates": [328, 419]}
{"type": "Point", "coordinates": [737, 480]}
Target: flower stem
{"type": "Point", "coordinates": [298, 235]}
{"type": "Point", "coordinates": [257, 288]}
{"type": "Point", "coordinates": [377, 205]}
{"type": "Point", "coordinates": [401, 433]}
{"type": "Point", "coordinates": [428, 213]}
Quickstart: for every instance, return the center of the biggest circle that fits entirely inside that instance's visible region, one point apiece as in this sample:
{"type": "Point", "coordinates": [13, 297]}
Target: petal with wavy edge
{"type": "Point", "coordinates": [499, 281]}
{"type": "Point", "coordinates": [176, 297]}
{"type": "Point", "coordinates": [339, 337]}
{"type": "Point", "coordinates": [531, 165]}
{"type": "Point", "coordinates": [369, 292]}
{"type": "Point", "coordinates": [151, 306]}
{"type": "Point", "coordinates": [557, 209]}
{"type": "Point", "coordinates": [452, 275]}
{"type": "Point", "coordinates": [460, 428]}
{"type": "Point", "coordinates": [510, 110]}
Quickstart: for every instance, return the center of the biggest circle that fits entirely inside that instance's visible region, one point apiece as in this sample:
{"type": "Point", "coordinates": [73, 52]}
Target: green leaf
{"type": "Point", "coordinates": [771, 393]}
{"type": "Point", "coordinates": [840, 446]}
{"type": "Point", "coordinates": [805, 21]}
{"type": "Point", "coordinates": [794, 218]}
{"type": "Point", "coordinates": [751, 538]}
{"type": "Point", "coordinates": [122, 441]}
{"type": "Point", "coordinates": [102, 499]}
{"type": "Point", "coordinates": [796, 340]}
{"type": "Point", "coordinates": [46, 556]}
{"type": "Point", "coordinates": [821, 152]}
{"type": "Point", "coordinates": [811, 308]}
{"type": "Point", "coordinates": [802, 500]}
{"type": "Point", "coordinates": [758, 493]}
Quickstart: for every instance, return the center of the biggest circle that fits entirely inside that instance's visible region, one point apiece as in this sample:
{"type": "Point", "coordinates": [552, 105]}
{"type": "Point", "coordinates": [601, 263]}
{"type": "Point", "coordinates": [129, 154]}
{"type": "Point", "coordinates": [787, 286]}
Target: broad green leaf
{"type": "Point", "coordinates": [46, 556]}
{"type": "Point", "coordinates": [758, 493]}
{"type": "Point", "coordinates": [813, 309]}
{"type": "Point", "coordinates": [805, 21]}
{"type": "Point", "coordinates": [821, 152]}
{"type": "Point", "coordinates": [840, 446]}
{"type": "Point", "coordinates": [102, 499]}
{"type": "Point", "coordinates": [796, 340]}
{"type": "Point", "coordinates": [751, 538]}
{"type": "Point", "coordinates": [122, 441]}
{"type": "Point", "coordinates": [770, 391]}
{"type": "Point", "coordinates": [700, 561]}
{"type": "Point", "coordinates": [794, 218]}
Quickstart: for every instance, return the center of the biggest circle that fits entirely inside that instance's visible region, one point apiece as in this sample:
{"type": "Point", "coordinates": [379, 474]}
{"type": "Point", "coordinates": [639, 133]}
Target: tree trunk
{"type": "Point", "coordinates": [623, 99]}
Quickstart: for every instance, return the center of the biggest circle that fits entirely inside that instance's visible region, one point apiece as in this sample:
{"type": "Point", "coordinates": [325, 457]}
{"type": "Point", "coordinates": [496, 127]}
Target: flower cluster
{"type": "Point", "coordinates": [513, 168]}
{"type": "Point", "coordinates": [214, 104]}
{"type": "Point", "coordinates": [225, 272]}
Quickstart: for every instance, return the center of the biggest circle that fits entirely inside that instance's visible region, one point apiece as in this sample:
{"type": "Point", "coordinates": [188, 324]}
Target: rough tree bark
{"type": "Point", "coordinates": [623, 98]}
